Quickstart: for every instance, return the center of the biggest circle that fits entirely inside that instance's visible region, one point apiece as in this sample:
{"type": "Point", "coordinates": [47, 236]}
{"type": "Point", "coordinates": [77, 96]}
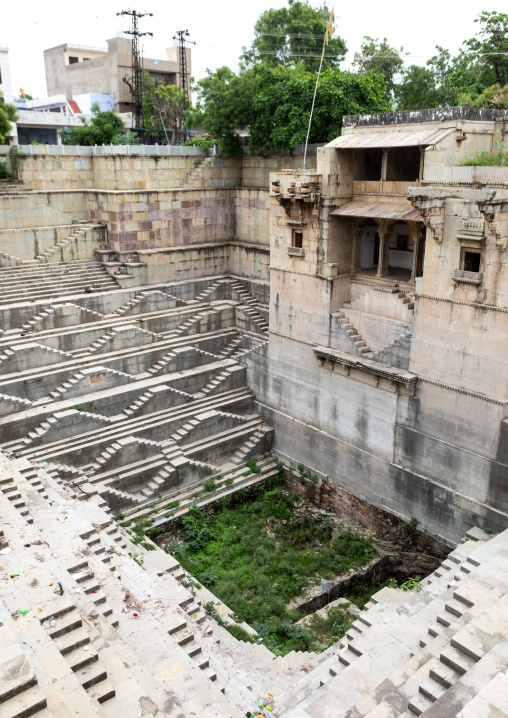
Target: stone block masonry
{"type": "Point", "coordinates": [53, 170]}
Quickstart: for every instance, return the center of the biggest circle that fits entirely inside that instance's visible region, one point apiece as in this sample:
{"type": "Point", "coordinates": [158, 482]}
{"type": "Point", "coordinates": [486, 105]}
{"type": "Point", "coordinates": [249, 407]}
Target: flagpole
{"type": "Point", "coordinates": [312, 108]}
{"type": "Point", "coordinates": [328, 32]}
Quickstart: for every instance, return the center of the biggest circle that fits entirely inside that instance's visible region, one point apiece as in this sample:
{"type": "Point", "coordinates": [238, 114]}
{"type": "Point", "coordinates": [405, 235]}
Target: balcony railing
{"type": "Point", "coordinates": [461, 275]}
{"type": "Point", "coordinates": [383, 187]}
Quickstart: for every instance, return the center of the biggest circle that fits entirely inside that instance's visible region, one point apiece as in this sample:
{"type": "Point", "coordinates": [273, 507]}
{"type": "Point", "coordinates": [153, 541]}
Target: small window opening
{"type": "Point", "coordinates": [298, 240]}
{"type": "Point", "coordinates": [86, 59]}
{"type": "Point", "coordinates": [73, 60]}
{"type": "Point", "coordinates": [471, 261]}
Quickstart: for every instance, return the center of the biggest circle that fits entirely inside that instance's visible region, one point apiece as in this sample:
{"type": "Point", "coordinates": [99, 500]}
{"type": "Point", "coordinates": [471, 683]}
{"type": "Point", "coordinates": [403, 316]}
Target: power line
{"type": "Point", "coordinates": [181, 36]}
{"type": "Point", "coordinates": [135, 83]}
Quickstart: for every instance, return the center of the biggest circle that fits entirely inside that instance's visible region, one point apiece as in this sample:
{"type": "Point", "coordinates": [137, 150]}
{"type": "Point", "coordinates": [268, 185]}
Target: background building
{"type": "Point", "coordinates": [5, 75]}
{"type": "Point", "coordinates": [77, 69]}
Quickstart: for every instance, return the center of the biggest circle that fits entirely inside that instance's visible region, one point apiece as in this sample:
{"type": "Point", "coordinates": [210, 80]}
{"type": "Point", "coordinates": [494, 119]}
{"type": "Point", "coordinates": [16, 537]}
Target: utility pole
{"type": "Point", "coordinates": [181, 36]}
{"type": "Point", "coordinates": [135, 83]}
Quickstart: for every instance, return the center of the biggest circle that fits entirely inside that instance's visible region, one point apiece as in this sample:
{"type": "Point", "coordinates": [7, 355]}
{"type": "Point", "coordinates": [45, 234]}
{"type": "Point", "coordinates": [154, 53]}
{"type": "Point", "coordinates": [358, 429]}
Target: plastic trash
{"type": "Point", "coordinates": [86, 648]}
{"type": "Point", "coordinates": [23, 613]}
{"type": "Point", "coordinates": [49, 622]}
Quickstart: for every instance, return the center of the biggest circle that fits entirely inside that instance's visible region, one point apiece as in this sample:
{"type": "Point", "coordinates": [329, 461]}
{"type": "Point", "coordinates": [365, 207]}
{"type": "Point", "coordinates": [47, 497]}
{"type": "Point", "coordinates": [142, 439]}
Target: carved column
{"type": "Point", "coordinates": [384, 235]}
{"type": "Point", "coordinates": [357, 246]}
{"type": "Point", "coordinates": [414, 233]}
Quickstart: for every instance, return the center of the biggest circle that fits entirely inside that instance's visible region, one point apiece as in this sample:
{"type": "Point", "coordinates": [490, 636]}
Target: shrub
{"type": "Point", "coordinates": [172, 505]}
{"type": "Point", "coordinates": [412, 583]}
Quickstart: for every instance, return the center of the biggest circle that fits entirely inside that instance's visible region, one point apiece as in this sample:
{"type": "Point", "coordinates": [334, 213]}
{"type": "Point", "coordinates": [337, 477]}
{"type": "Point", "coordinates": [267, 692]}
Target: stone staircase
{"type": "Point", "coordinates": [60, 251]}
{"type": "Point", "coordinates": [354, 339]}
{"type": "Point", "coordinates": [11, 187]}
{"type": "Point", "coordinates": [34, 282]}
{"type": "Point", "coordinates": [195, 178]}
{"type": "Point", "coordinates": [81, 650]}
{"type": "Point", "coordinates": [399, 658]}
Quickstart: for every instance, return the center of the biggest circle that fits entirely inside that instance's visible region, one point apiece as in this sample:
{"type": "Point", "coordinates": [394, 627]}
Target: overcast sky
{"type": "Point", "coordinates": [220, 28]}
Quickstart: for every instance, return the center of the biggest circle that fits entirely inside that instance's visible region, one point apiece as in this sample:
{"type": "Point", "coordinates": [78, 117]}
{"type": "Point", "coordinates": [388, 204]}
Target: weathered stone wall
{"type": "Point", "coordinates": [142, 220]}
{"type": "Point", "coordinates": [151, 172]}
{"type": "Point", "coordinates": [436, 454]}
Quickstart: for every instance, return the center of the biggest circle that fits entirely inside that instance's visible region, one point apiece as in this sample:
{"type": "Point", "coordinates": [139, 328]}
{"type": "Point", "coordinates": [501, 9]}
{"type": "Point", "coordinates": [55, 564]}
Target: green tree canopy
{"type": "Point", "coordinates": [294, 34]}
{"type": "Point", "coordinates": [8, 116]}
{"type": "Point", "coordinates": [105, 128]}
{"type": "Point", "coordinates": [282, 105]}
{"type": "Point", "coordinates": [381, 58]}
{"type": "Point", "coordinates": [417, 89]}
{"type": "Point", "coordinates": [164, 107]}
{"type": "Point", "coordinates": [480, 64]}
{"type": "Point", "coordinates": [224, 105]}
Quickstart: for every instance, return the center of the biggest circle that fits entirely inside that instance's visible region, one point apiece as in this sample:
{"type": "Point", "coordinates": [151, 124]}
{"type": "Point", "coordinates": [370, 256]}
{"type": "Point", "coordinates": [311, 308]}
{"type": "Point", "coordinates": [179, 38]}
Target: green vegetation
{"type": "Point", "coordinates": [329, 630]}
{"type": "Point", "coordinates": [271, 95]}
{"type": "Point", "coordinates": [259, 555]}
{"type": "Point", "coordinates": [105, 128]}
{"type": "Point", "coordinates": [8, 115]}
{"type": "Point", "coordinates": [287, 35]}
{"type": "Point", "coordinates": [137, 534]}
{"type": "Point", "coordinates": [275, 103]}
{"type": "Point", "coordinates": [173, 505]}
{"type": "Point", "coordinates": [79, 407]}
{"type": "Point", "coordinates": [237, 631]}
{"type": "Point", "coordinates": [163, 108]}
{"type": "Point", "coordinates": [410, 526]}
{"type": "Point", "coordinates": [412, 583]}
{"type": "Point", "coordinates": [483, 158]}
{"type": "Point", "coordinates": [211, 485]}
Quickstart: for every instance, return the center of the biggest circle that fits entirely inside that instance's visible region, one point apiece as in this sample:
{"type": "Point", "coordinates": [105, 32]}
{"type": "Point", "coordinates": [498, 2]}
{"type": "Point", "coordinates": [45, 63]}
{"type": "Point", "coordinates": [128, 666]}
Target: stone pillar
{"type": "Point", "coordinates": [357, 246]}
{"type": "Point", "coordinates": [414, 233]}
{"type": "Point", "coordinates": [384, 231]}
{"type": "Point", "coordinates": [384, 164]}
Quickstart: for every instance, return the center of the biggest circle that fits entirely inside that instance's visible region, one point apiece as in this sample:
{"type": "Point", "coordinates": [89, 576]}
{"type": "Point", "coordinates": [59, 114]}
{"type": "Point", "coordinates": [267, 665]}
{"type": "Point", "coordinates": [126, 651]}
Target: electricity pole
{"type": "Point", "coordinates": [181, 36]}
{"type": "Point", "coordinates": [135, 83]}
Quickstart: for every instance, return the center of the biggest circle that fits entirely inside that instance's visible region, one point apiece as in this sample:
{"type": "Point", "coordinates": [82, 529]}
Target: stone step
{"type": "Point", "coordinates": [91, 674]}
{"type": "Point", "coordinates": [65, 624]}
{"type": "Point", "coordinates": [25, 704]}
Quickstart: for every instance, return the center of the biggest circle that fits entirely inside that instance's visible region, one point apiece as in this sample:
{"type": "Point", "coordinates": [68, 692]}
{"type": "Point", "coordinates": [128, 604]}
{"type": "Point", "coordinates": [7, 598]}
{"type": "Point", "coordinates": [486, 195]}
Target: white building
{"type": "Point", "coordinates": [5, 75]}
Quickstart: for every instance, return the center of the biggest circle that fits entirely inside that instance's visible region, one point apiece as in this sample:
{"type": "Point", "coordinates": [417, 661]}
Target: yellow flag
{"type": "Point", "coordinates": [329, 27]}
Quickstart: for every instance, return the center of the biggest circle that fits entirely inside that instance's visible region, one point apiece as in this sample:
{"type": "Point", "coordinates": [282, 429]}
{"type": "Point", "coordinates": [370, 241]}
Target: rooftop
{"type": "Point", "coordinates": [474, 114]}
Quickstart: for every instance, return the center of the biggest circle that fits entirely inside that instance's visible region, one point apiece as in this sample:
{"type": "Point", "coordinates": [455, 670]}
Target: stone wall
{"type": "Point", "coordinates": [144, 220]}
{"type": "Point", "coordinates": [57, 171]}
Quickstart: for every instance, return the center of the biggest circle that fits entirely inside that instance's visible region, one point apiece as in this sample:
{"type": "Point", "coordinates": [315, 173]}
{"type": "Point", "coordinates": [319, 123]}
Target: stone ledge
{"type": "Point", "coordinates": [397, 378]}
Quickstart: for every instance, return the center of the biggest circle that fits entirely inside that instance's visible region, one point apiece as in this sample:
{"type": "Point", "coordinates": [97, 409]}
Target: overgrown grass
{"type": "Point", "coordinates": [484, 158]}
{"type": "Point", "coordinates": [329, 630]}
{"type": "Point", "coordinates": [257, 556]}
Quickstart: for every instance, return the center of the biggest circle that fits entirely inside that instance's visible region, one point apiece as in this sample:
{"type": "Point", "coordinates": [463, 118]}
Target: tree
{"type": "Point", "coordinates": [163, 105]}
{"type": "Point", "coordinates": [282, 105]}
{"type": "Point", "coordinates": [479, 65]}
{"type": "Point", "coordinates": [8, 116]}
{"type": "Point", "coordinates": [105, 128]}
{"type": "Point", "coordinates": [381, 58]}
{"type": "Point", "coordinates": [417, 89]}
{"type": "Point", "coordinates": [291, 34]}
{"type": "Point", "coordinates": [224, 105]}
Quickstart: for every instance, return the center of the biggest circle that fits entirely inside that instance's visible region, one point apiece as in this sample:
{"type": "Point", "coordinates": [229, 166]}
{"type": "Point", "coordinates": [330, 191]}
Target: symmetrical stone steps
{"type": "Point", "coordinates": [195, 176]}
{"type": "Point", "coordinates": [57, 252]}
{"type": "Point", "coordinates": [358, 344]}
{"type": "Point", "coordinates": [74, 636]}
{"type": "Point", "coordinates": [29, 283]}
{"type": "Point", "coordinates": [136, 426]}
{"type": "Point", "coordinates": [47, 315]}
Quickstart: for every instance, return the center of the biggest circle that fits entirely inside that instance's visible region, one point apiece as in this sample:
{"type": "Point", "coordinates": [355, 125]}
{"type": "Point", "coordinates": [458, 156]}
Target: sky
{"type": "Point", "coordinates": [220, 28]}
